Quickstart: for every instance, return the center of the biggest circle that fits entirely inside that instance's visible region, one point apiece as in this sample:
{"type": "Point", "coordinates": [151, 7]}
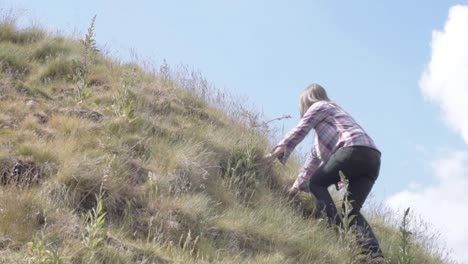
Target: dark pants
{"type": "Point", "coordinates": [361, 167]}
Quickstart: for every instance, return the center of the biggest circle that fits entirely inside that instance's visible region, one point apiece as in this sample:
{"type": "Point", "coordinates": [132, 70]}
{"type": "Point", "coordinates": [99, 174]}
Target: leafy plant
{"type": "Point", "coordinates": [79, 77]}
{"type": "Point", "coordinates": [89, 43]}
{"type": "Point", "coordinates": [44, 253]}
{"type": "Point", "coordinates": [347, 229]}
{"type": "Point", "coordinates": [94, 231]}
{"type": "Point", "coordinates": [346, 211]}
{"type": "Point", "coordinates": [405, 256]}
{"type": "Point", "coordinates": [81, 68]}
{"type": "Point", "coordinates": [124, 103]}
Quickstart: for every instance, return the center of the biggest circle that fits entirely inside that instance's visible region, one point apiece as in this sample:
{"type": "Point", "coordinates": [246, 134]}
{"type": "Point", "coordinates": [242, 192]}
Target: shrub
{"type": "Point", "coordinates": [49, 49]}
{"type": "Point", "coordinates": [60, 68]}
{"type": "Point", "coordinates": [9, 32]}
{"type": "Point", "coordinates": [12, 60]}
{"type": "Point", "coordinates": [29, 35]}
{"type": "Point", "coordinates": [240, 172]}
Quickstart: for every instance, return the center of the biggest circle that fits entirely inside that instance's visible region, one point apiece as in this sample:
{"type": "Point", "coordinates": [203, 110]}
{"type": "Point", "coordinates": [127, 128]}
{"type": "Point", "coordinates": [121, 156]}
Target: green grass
{"type": "Point", "coordinates": [178, 167]}
{"type": "Point", "coordinates": [12, 59]}
{"type": "Point", "coordinates": [49, 49]}
{"type": "Point", "coordinates": [10, 33]}
{"type": "Point", "coordinates": [60, 68]}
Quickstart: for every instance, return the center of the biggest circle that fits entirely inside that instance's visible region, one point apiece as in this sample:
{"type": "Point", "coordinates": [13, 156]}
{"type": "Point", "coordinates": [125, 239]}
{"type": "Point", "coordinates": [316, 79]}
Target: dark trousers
{"type": "Point", "coordinates": [361, 167]}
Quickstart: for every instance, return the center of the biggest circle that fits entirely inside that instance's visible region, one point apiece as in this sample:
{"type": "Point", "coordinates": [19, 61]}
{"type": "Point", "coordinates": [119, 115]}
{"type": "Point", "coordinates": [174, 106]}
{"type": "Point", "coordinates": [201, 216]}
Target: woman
{"type": "Point", "coordinates": [340, 144]}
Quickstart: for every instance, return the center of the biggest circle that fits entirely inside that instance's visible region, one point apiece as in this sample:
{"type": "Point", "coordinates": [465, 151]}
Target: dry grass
{"type": "Point", "coordinates": [178, 165]}
{"type": "Point", "coordinates": [12, 60]}
{"type": "Point", "coordinates": [21, 215]}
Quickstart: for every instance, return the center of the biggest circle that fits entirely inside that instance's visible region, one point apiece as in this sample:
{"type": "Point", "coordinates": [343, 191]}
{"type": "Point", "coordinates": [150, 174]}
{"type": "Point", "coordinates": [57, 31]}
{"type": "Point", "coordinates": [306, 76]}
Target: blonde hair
{"type": "Point", "coordinates": [312, 94]}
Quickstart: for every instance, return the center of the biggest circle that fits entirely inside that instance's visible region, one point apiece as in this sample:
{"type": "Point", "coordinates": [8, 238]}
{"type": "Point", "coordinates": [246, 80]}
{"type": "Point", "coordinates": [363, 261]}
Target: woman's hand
{"type": "Point", "coordinates": [270, 157]}
{"type": "Point", "coordinates": [292, 191]}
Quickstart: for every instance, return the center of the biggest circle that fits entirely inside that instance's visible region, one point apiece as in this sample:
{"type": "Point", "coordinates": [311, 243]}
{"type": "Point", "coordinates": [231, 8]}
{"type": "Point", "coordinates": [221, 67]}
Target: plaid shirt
{"type": "Point", "coordinates": [334, 129]}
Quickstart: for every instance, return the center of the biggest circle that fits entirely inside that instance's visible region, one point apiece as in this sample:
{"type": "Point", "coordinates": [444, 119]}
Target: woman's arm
{"type": "Point", "coordinates": [308, 169]}
{"type": "Point", "coordinates": [316, 113]}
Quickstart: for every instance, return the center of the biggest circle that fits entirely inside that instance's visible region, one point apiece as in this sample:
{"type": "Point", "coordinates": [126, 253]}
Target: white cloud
{"type": "Point", "coordinates": [445, 81]}
{"type": "Point", "coordinates": [445, 203]}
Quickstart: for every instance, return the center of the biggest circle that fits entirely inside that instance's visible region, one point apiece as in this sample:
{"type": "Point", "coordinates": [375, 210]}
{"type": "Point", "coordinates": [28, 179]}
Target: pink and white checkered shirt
{"type": "Point", "coordinates": [334, 129]}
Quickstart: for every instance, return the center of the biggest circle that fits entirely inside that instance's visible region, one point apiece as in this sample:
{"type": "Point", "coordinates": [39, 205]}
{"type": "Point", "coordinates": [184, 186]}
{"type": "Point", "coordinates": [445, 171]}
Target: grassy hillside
{"type": "Point", "coordinates": [107, 162]}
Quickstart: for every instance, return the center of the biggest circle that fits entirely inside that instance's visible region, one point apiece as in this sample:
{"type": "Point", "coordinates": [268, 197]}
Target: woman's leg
{"type": "Point", "coordinates": [358, 190]}
{"type": "Point", "coordinates": [361, 166]}
{"type": "Point", "coordinates": [323, 201]}
{"type": "Point", "coordinates": [363, 172]}
{"type": "Point", "coordinates": [326, 175]}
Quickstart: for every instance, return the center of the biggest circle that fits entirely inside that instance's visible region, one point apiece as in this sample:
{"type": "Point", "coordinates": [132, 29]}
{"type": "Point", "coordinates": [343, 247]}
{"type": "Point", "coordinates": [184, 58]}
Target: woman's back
{"type": "Point", "coordinates": [337, 129]}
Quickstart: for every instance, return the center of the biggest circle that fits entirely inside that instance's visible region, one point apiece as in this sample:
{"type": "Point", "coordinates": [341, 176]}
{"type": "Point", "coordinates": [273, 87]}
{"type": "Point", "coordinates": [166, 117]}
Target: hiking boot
{"type": "Point", "coordinates": [373, 258]}
{"type": "Point", "coordinates": [378, 260]}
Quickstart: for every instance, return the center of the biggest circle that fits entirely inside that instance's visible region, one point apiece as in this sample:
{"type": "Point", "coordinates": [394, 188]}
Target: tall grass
{"type": "Point", "coordinates": [12, 60]}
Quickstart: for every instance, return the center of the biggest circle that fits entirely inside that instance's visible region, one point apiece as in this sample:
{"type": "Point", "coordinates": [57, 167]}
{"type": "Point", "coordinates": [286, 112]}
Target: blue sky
{"type": "Point", "coordinates": [369, 55]}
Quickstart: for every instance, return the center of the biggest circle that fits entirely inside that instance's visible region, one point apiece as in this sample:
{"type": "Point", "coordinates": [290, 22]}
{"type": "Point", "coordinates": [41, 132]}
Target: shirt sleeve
{"type": "Point", "coordinates": [316, 113]}
{"type": "Point", "coordinates": [307, 170]}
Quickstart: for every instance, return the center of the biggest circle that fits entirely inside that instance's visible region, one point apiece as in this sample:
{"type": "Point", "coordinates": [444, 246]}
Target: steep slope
{"type": "Point", "coordinates": [107, 162]}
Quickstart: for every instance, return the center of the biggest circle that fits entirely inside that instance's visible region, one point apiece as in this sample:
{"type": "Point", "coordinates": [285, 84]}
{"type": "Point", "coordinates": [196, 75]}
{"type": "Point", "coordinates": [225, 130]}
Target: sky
{"type": "Point", "coordinates": [399, 67]}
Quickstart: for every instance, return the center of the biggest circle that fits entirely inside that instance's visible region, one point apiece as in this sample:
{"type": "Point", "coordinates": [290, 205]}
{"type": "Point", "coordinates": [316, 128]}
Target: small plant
{"type": "Point", "coordinates": [405, 256]}
{"type": "Point", "coordinates": [346, 216]}
{"type": "Point", "coordinates": [124, 103]}
{"type": "Point", "coordinates": [347, 229]}
{"type": "Point", "coordinates": [165, 72]}
{"type": "Point", "coordinates": [44, 253]}
{"type": "Point", "coordinates": [94, 231]}
{"type": "Point", "coordinates": [79, 77]}
{"type": "Point", "coordinates": [81, 68]}
{"type": "Point", "coordinates": [89, 44]}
